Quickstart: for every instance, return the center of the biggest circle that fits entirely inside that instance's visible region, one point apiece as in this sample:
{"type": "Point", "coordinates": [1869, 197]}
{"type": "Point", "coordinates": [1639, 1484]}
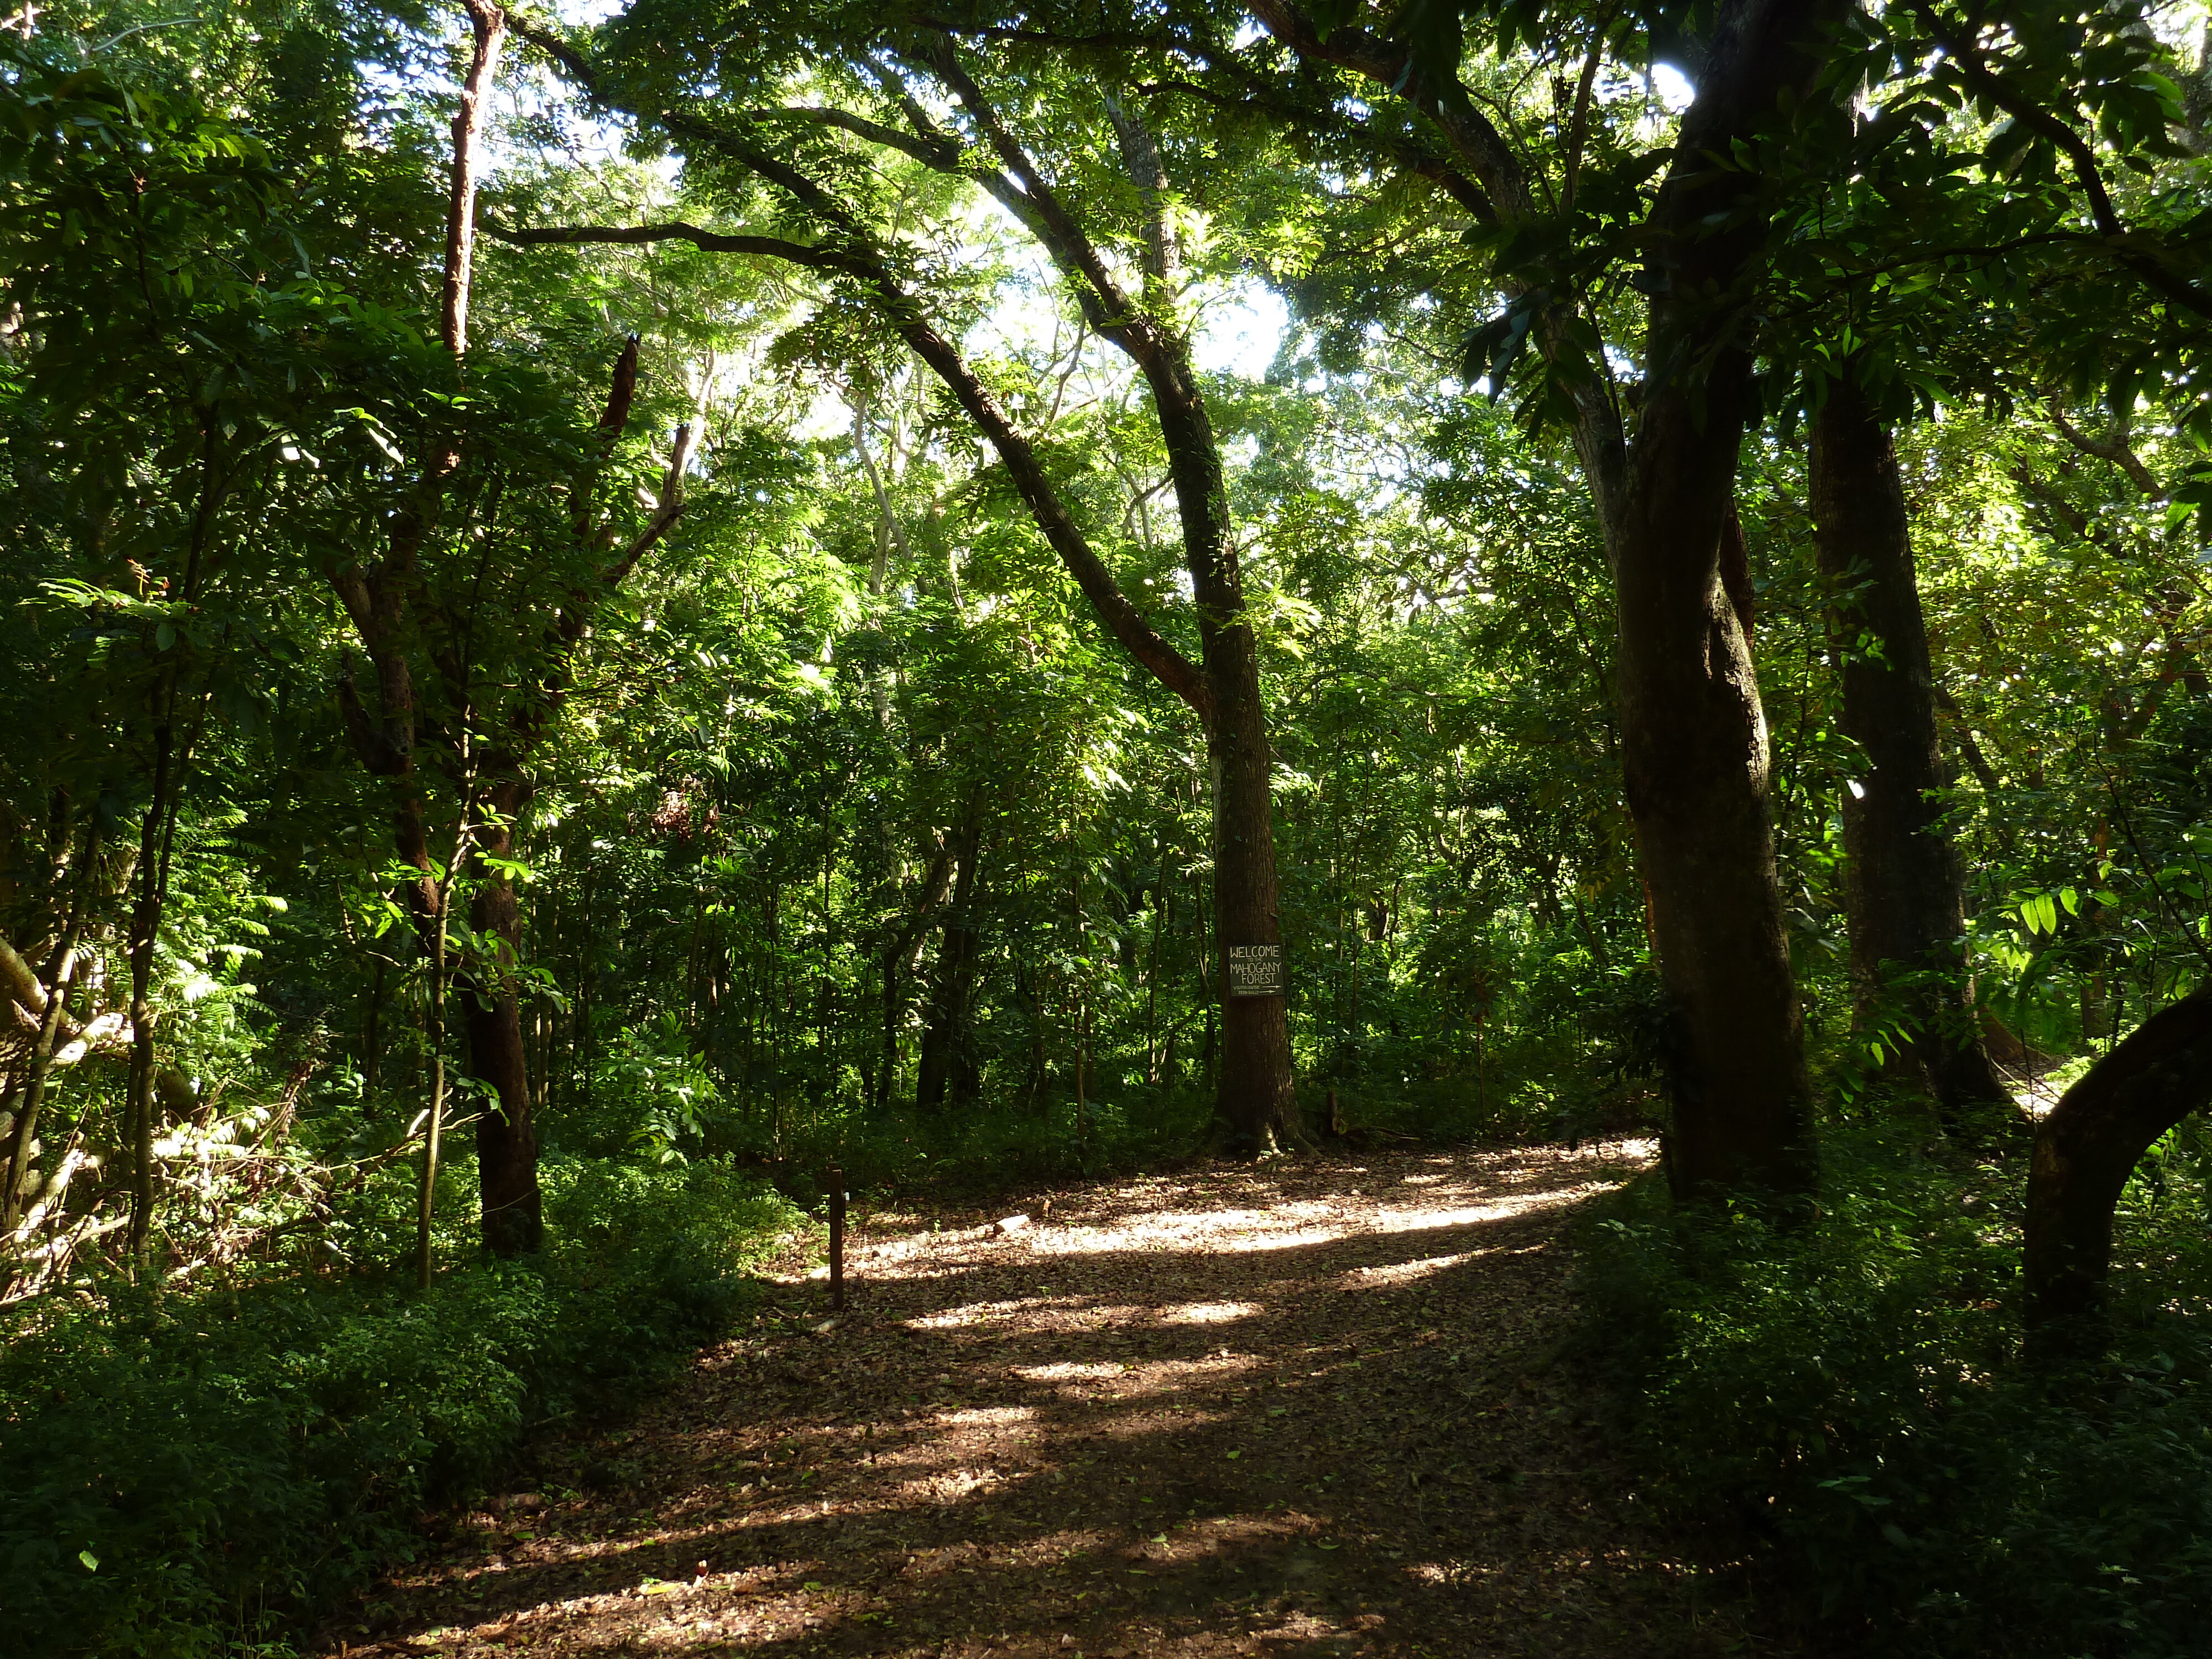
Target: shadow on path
{"type": "Point", "coordinates": [1301, 1410]}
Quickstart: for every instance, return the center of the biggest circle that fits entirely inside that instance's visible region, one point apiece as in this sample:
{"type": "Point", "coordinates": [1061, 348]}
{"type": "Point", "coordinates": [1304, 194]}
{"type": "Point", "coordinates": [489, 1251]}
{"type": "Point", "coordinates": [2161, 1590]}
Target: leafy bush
{"type": "Point", "coordinates": [1846, 1400]}
{"type": "Point", "coordinates": [180, 1475]}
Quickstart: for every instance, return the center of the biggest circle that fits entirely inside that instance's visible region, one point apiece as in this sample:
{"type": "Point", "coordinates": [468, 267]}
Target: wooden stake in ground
{"type": "Point", "coordinates": [837, 1239]}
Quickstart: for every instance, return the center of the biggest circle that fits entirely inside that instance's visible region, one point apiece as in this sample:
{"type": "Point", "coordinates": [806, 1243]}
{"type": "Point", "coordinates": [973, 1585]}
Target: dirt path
{"type": "Point", "coordinates": [1304, 1410]}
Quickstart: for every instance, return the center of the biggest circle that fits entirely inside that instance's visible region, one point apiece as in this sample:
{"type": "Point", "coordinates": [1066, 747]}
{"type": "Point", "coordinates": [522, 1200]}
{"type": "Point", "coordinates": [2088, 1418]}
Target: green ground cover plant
{"type": "Point", "coordinates": [199, 1473]}
{"type": "Point", "coordinates": [1842, 1397]}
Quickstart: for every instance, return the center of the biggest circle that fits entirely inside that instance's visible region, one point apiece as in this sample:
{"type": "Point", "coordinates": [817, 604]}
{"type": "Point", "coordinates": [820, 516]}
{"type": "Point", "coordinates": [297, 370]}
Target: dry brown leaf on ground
{"type": "Point", "coordinates": [1303, 1408]}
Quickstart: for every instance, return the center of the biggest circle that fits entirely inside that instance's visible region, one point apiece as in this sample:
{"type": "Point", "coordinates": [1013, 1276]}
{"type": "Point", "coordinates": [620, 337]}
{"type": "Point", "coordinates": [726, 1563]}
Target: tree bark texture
{"type": "Point", "coordinates": [1695, 765]}
{"type": "Point", "coordinates": [1904, 897]}
{"type": "Point", "coordinates": [948, 1072]}
{"type": "Point", "coordinates": [513, 1220]}
{"type": "Point", "coordinates": [1694, 745]}
{"type": "Point", "coordinates": [2084, 1151]}
{"type": "Point", "coordinates": [1255, 1097]}
{"type": "Point", "coordinates": [1255, 1094]}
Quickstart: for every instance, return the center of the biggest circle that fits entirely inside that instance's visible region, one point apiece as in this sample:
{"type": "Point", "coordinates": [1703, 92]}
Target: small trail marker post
{"type": "Point", "coordinates": [837, 1239]}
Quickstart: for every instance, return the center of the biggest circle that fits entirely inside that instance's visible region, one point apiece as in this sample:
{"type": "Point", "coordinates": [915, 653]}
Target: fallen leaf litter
{"type": "Point", "coordinates": [1303, 1408]}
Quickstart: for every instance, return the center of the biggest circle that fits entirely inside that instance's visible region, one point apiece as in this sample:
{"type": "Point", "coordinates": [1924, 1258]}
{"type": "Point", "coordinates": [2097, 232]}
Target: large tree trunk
{"type": "Point", "coordinates": [1694, 739]}
{"type": "Point", "coordinates": [1902, 891]}
{"type": "Point", "coordinates": [2084, 1151]}
{"type": "Point", "coordinates": [1255, 1099]}
{"type": "Point", "coordinates": [1694, 752]}
{"type": "Point", "coordinates": [1255, 1092]}
{"type": "Point", "coordinates": [1695, 764]}
{"type": "Point", "coordinates": [513, 1220]}
{"type": "Point", "coordinates": [949, 1073]}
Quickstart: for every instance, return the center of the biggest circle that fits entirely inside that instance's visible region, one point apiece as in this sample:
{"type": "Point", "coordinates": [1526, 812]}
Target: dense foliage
{"type": "Point", "coordinates": [904, 540]}
{"type": "Point", "coordinates": [1841, 1400]}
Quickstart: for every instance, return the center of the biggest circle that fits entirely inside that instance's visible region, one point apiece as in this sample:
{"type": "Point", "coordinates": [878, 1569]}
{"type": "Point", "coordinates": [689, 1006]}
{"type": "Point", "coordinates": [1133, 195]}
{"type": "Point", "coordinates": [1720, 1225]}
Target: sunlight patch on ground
{"type": "Point", "coordinates": [1069, 1371]}
{"type": "Point", "coordinates": [1140, 1377]}
{"type": "Point", "coordinates": [1402, 1219]}
{"type": "Point", "coordinates": [939, 1488]}
{"type": "Point", "coordinates": [1298, 1240]}
{"type": "Point", "coordinates": [1209, 1313]}
{"type": "Point", "coordinates": [1172, 1233]}
{"type": "Point", "coordinates": [1190, 1540]}
{"type": "Point", "coordinates": [1401, 1273]}
{"type": "Point", "coordinates": [976, 1313]}
{"type": "Point", "coordinates": [987, 1417]}
{"type": "Point", "coordinates": [1299, 1225]}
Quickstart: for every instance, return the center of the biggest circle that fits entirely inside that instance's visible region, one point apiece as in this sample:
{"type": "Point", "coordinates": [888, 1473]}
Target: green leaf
{"type": "Point", "coordinates": [91, 1561]}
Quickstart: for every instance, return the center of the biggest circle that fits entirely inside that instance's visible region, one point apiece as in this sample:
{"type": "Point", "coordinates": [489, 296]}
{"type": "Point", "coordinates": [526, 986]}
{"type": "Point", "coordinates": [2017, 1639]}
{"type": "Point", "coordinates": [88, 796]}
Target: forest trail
{"type": "Point", "coordinates": [1304, 1409]}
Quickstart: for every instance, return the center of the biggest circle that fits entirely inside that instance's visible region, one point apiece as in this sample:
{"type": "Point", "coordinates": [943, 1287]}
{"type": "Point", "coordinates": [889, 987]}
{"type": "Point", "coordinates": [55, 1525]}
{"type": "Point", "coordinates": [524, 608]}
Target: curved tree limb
{"type": "Point", "coordinates": [2086, 1149]}
{"type": "Point", "coordinates": [1121, 618]}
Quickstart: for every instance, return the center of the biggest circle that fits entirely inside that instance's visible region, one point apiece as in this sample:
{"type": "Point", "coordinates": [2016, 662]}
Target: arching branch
{"type": "Point", "coordinates": [1121, 618]}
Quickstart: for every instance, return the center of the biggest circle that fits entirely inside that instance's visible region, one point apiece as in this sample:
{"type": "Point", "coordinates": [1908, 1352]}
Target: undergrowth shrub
{"type": "Point", "coordinates": [1844, 1399]}
{"type": "Point", "coordinates": [195, 1476]}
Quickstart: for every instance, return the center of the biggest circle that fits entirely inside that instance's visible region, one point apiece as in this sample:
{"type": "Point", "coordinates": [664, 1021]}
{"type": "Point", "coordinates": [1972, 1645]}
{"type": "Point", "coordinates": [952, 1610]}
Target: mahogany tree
{"type": "Point", "coordinates": [1115, 244]}
{"type": "Point", "coordinates": [1657, 427]}
{"type": "Point", "coordinates": [448, 620]}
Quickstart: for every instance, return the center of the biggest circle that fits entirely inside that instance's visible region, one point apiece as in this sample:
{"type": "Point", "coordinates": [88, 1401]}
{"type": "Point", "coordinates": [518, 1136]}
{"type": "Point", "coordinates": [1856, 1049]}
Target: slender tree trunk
{"type": "Point", "coordinates": [2084, 1151]}
{"type": "Point", "coordinates": [948, 1072]}
{"type": "Point", "coordinates": [11, 1084]}
{"type": "Point", "coordinates": [506, 1139]}
{"type": "Point", "coordinates": [372, 1035]}
{"type": "Point", "coordinates": [26, 1131]}
{"type": "Point", "coordinates": [1255, 1092]}
{"type": "Point", "coordinates": [434, 1128]}
{"type": "Point", "coordinates": [145, 931]}
{"type": "Point", "coordinates": [1153, 969]}
{"type": "Point", "coordinates": [1903, 893]}
{"type": "Point", "coordinates": [883, 1079]}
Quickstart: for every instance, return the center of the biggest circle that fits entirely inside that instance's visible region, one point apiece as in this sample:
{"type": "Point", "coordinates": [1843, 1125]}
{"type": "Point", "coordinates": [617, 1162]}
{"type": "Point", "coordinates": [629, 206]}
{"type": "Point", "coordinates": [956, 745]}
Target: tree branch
{"type": "Point", "coordinates": [940, 151]}
{"type": "Point", "coordinates": [1974, 69]}
{"type": "Point", "coordinates": [1055, 227]}
{"type": "Point", "coordinates": [2114, 449]}
{"type": "Point", "coordinates": [1121, 618]}
{"type": "Point", "coordinates": [487, 27]}
{"type": "Point", "coordinates": [666, 511]}
{"type": "Point", "coordinates": [1482, 149]}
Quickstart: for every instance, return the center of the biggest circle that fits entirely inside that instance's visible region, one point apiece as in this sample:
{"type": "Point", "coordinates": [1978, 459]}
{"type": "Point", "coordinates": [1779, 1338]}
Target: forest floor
{"type": "Point", "coordinates": [1304, 1409]}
